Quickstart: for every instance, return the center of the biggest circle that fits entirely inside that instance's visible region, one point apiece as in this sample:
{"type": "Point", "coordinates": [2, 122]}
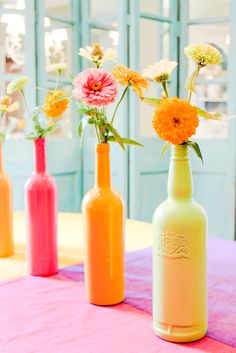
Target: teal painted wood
{"type": "Point", "coordinates": [229, 154]}
{"type": "Point", "coordinates": [17, 155]}
{"type": "Point", "coordinates": [147, 173]}
{"type": "Point", "coordinates": [174, 50]}
{"type": "Point", "coordinates": [153, 17]}
{"type": "Point", "coordinates": [119, 159]}
{"type": "Point", "coordinates": [214, 182]}
{"type": "Point", "coordinates": [63, 154]}
{"type": "Point", "coordinates": [183, 42]}
{"type": "Point", "coordinates": [212, 20]}
{"type": "Point", "coordinates": [12, 11]}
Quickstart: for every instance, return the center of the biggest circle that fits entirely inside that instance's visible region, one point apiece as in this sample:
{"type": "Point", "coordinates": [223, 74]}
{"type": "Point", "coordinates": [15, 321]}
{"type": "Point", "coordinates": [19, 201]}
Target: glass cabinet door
{"type": "Point", "coordinates": [104, 23]}
{"type": "Point", "coordinates": [212, 22]}
{"type": "Point", "coordinates": [153, 37]}
{"type": "Point", "coordinates": [46, 33]}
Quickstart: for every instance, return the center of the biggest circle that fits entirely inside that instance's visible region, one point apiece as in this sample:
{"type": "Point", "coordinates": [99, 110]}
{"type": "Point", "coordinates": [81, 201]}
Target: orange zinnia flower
{"type": "Point", "coordinates": [129, 77]}
{"type": "Point", "coordinates": [54, 107]}
{"type": "Point", "coordinates": [175, 120]}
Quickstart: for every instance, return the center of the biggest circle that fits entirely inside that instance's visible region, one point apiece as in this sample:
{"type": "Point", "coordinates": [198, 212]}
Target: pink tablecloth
{"type": "Point", "coordinates": [221, 286]}
{"type": "Point", "coordinates": [50, 315]}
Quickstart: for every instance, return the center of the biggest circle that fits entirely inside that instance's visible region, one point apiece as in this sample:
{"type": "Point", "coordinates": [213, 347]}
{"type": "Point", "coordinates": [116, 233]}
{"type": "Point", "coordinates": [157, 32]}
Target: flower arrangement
{"type": "Point", "coordinates": [95, 88]}
{"type": "Point", "coordinates": [44, 118]}
{"type": "Point", "coordinates": [176, 120]}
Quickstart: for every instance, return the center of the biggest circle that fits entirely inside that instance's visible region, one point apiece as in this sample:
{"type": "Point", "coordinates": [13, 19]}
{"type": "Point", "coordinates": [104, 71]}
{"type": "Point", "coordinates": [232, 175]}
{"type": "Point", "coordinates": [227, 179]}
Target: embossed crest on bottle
{"type": "Point", "coordinates": [173, 245]}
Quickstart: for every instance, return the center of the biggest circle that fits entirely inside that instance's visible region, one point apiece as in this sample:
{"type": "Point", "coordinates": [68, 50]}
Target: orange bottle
{"type": "Point", "coordinates": [6, 226]}
{"type": "Point", "coordinates": [103, 217]}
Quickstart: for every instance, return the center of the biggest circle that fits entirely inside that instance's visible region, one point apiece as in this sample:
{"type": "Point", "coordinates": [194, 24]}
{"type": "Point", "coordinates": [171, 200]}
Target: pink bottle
{"type": "Point", "coordinates": [41, 214]}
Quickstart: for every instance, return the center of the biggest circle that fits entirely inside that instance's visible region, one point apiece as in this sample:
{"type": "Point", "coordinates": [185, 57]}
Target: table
{"type": "Point", "coordinates": [50, 315]}
{"type": "Point", "coordinates": [70, 242]}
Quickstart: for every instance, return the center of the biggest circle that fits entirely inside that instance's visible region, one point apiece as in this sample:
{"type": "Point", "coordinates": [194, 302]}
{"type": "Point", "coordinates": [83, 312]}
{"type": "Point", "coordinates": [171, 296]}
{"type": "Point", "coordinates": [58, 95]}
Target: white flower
{"type": "Point", "coordinates": [58, 67]}
{"type": "Point", "coordinates": [203, 54]}
{"type": "Point", "coordinates": [86, 53]}
{"type": "Point", "coordinates": [110, 54]}
{"type": "Point", "coordinates": [96, 54]}
{"type": "Point", "coordinates": [6, 105]}
{"type": "Point", "coordinates": [160, 71]}
{"type": "Point", "coordinates": [17, 84]}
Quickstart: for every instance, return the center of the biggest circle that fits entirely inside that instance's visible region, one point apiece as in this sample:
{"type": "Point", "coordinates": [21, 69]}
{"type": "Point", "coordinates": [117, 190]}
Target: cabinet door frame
{"type": "Point", "coordinates": [223, 149]}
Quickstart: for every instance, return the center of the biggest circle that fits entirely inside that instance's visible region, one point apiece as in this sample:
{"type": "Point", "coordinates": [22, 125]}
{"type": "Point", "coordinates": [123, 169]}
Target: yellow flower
{"type": "Point", "coordinates": [160, 71]}
{"type": "Point", "coordinates": [128, 77]}
{"type": "Point", "coordinates": [21, 124]}
{"type": "Point", "coordinates": [17, 84]}
{"type": "Point", "coordinates": [55, 104]}
{"type": "Point", "coordinates": [6, 105]}
{"type": "Point", "coordinates": [58, 67]}
{"type": "Point", "coordinates": [203, 54]}
{"type": "Point", "coordinates": [96, 54]}
{"type": "Point", "coordinates": [175, 120]}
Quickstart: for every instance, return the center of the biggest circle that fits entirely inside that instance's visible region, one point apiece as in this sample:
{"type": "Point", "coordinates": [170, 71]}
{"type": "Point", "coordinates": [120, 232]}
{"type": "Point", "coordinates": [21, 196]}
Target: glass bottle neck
{"type": "Point", "coordinates": [102, 177]}
{"type": "Point", "coordinates": [40, 159]}
{"type": "Point", "coordinates": [180, 175]}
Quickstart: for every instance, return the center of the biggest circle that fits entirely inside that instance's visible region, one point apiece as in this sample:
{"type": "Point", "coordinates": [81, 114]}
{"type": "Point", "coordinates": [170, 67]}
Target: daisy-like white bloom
{"type": "Point", "coordinates": [58, 67]}
{"type": "Point", "coordinates": [160, 71]}
{"type": "Point", "coordinates": [7, 106]}
{"type": "Point", "coordinates": [203, 54]}
{"type": "Point", "coordinates": [96, 55]}
{"type": "Point", "coordinates": [17, 84]}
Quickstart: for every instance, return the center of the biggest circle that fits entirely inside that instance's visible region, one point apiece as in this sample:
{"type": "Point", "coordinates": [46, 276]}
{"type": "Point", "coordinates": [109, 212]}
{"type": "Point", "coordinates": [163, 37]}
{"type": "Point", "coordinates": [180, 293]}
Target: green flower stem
{"type": "Point", "coordinates": [25, 102]}
{"type": "Point", "coordinates": [192, 81]}
{"type": "Point", "coordinates": [102, 134]}
{"type": "Point", "coordinates": [58, 79]}
{"type": "Point", "coordinates": [120, 100]}
{"type": "Point", "coordinates": [165, 88]}
{"type": "Point", "coordinates": [97, 133]}
{"type": "Point", "coordinates": [97, 129]}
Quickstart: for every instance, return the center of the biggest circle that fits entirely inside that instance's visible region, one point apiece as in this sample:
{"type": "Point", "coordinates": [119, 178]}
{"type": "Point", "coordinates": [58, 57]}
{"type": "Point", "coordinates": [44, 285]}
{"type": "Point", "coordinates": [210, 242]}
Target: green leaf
{"type": "Point", "coordinates": [206, 115]}
{"type": "Point", "coordinates": [91, 121]}
{"type": "Point", "coordinates": [116, 134]}
{"type": "Point", "coordinates": [155, 102]}
{"type": "Point", "coordinates": [129, 141]}
{"type": "Point", "coordinates": [126, 141]}
{"type": "Point", "coordinates": [83, 110]}
{"type": "Point", "coordinates": [91, 112]}
{"type": "Point", "coordinates": [80, 129]}
{"type": "Point", "coordinates": [164, 148]}
{"type": "Point", "coordinates": [196, 149]}
{"type": "Point", "coordinates": [82, 125]}
{"type": "Point", "coordinates": [31, 136]}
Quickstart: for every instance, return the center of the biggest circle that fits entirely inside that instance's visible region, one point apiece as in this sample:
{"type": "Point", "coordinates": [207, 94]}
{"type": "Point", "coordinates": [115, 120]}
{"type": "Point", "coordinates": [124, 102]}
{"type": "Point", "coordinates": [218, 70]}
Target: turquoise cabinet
{"type": "Point", "coordinates": [175, 24]}
{"type": "Point", "coordinates": [143, 32]}
{"type": "Point", "coordinates": [48, 32]}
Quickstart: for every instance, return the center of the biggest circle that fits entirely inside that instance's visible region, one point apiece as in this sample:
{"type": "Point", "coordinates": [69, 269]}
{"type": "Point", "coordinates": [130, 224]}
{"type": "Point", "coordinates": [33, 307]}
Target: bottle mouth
{"type": "Point", "coordinates": [102, 147]}
{"type": "Point", "coordinates": [39, 141]}
{"type": "Point", "coordinates": [179, 152]}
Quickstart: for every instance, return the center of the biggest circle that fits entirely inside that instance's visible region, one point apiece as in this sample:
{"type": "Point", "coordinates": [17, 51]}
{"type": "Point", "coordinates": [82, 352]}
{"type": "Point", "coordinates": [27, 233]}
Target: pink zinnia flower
{"type": "Point", "coordinates": [95, 87]}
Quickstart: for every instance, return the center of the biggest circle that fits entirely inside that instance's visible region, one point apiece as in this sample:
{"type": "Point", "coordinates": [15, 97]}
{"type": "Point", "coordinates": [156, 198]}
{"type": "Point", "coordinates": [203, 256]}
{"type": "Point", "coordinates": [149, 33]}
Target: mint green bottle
{"type": "Point", "coordinates": [179, 258]}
